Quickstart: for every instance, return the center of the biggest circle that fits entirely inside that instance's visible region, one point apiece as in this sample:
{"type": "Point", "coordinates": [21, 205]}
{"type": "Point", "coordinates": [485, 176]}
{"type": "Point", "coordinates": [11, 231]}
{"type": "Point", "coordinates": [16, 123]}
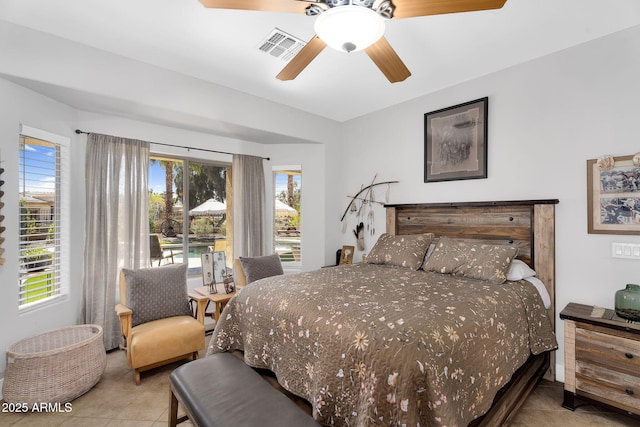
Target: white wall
{"type": "Point", "coordinates": [85, 76]}
{"type": "Point", "coordinates": [21, 106]}
{"type": "Point", "coordinates": [546, 118]}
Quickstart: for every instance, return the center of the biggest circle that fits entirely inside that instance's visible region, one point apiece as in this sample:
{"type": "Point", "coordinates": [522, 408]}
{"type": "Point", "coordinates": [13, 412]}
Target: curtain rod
{"type": "Point", "coordinates": [78, 131]}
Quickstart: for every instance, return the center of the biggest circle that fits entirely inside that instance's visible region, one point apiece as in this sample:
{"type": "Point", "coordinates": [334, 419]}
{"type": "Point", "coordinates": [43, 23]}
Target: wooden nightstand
{"type": "Point", "coordinates": [601, 359]}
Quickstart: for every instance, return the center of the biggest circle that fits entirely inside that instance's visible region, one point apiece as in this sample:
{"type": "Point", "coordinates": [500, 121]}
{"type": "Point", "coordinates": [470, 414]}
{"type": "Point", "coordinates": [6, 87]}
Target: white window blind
{"type": "Point", "coordinates": [43, 190]}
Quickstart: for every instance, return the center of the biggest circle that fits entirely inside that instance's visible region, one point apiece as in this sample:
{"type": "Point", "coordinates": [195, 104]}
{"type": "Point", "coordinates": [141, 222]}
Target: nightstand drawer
{"type": "Point", "coordinates": [601, 359]}
{"type": "Point", "coordinates": [615, 352]}
{"type": "Point", "coordinates": [609, 386]}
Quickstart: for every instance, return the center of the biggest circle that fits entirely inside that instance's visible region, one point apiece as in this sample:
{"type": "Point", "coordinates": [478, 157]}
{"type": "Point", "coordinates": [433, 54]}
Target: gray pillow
{"type": "Point", "coordinates": [156, 293]}
{"type": "Point", "coordinates": [401, 250]}
{"type": "Point", "coordinates": [257, 268]}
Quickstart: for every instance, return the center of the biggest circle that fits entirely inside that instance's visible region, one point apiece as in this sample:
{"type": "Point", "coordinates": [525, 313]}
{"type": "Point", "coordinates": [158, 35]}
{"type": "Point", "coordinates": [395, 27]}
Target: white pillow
{"type": "Point", "coordinates": [519, 270]}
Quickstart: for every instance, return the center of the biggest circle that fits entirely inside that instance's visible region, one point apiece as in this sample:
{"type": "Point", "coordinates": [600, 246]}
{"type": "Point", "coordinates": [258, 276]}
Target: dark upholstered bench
{"type": "Point", "coordinates": [222, 391]}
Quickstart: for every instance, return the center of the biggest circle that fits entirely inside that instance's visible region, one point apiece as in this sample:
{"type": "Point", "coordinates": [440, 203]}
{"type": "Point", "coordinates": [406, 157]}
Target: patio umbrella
{"type": "Point", "coordinates": [284, 209]}
{"type": "Point", "coordinates": [210, 207]}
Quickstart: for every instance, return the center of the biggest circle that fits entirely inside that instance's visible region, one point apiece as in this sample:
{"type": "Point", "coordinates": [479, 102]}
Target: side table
{"type": "Point", "coordinates": [220, 300]}
{"type": "Point", "coordinates": [601, 359]}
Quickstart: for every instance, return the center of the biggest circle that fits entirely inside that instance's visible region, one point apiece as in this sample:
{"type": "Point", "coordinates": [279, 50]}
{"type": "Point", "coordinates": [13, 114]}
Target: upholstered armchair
{"type": "Point", "coordinates": [157, 319]}
{"type": "Point", "coordinates": [247, 270]}
{"type": "Point", "coordinates": [239, 277]}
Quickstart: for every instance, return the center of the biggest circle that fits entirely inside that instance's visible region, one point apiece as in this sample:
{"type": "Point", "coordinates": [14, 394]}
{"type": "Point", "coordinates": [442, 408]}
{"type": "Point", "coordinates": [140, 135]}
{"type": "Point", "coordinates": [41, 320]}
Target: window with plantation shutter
{"type": "Point", "coordinates": [43, 190]}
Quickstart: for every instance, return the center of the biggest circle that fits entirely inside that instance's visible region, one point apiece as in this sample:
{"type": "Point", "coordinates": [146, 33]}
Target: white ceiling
{"type": "Point", "coordinates": [220, 46]}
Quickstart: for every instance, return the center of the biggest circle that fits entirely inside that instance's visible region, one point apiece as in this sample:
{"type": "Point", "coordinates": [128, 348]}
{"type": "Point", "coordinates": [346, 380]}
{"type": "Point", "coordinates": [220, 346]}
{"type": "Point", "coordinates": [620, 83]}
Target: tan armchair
{"type": "Point", "coordinates": [157, 327]}
{"type": "Point", "coordinates": [239, 277]}
{"type": "Point", "coordinates": [247, 270]}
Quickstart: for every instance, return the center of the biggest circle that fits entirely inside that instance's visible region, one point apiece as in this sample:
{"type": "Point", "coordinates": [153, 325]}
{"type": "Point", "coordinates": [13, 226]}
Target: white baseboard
{"type": "Point", "coordinates": [560, 372]}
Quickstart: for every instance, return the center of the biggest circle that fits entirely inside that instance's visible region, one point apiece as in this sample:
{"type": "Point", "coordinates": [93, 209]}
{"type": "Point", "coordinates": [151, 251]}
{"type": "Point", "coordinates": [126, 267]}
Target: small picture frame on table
{"type": "Point", "coordinates": [215, 274]}
{"type": "Point", "coordinates": [347, 255]}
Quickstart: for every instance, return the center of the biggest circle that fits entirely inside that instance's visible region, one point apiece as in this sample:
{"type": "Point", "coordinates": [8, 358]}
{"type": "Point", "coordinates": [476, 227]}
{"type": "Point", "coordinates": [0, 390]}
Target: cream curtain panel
{"type": "Point", "coordinates": [249, 231]}
{"type": "Point", "coordinates": [117, 227]}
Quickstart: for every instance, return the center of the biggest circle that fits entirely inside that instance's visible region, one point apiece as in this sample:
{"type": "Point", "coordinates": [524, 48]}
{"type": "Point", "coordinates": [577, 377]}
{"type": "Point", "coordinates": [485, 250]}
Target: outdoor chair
{"type": "Point", "coordinates": [156, 253]}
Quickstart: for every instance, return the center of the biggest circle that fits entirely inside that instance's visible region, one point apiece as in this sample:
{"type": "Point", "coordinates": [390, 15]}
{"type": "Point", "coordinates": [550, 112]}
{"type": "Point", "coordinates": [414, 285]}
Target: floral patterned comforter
{"type": "Point", "coordinates": [379, 345]}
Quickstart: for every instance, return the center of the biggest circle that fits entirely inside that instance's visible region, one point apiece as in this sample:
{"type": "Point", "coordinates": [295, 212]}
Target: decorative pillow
{"type": "Point", "coordinates": [404, 250]}
{"type": "Point", "coordinates": [156, 293]}
{"type": "Point", "coordinates": [473, 260]}
{"type": "Point", "coordinates": [260, 267]}
{"type": "Point", "coordinates": [519, 270]}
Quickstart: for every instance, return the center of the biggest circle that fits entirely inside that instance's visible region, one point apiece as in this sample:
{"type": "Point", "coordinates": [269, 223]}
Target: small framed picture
{"type": "Point", "coordinates": [613, 196]}
{"type": "Point", "coordinates": [207, 268]}
{"type": "Point", "coordinates": [455, 142]}
{"type": "Point", "coordinates": [215, 274]}
{"type": "Point", "coordinates": [347, 255]}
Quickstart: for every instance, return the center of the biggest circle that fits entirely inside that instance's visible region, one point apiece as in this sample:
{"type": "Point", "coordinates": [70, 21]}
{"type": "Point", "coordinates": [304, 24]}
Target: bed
{"type": "Point", "coordinates": [383, 343]}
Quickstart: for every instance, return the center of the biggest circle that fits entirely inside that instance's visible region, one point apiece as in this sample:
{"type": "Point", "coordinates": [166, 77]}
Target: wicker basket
{"type": "Point", "coordinates": [55, 366]}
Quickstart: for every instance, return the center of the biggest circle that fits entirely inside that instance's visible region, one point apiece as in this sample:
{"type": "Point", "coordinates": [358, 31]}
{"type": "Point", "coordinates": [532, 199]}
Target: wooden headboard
{"type": "Point", "coordinates": [527, 224]}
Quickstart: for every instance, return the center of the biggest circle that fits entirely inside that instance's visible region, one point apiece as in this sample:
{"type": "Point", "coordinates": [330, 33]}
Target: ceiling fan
{"type": "Point", "coordinates": [352, 25]}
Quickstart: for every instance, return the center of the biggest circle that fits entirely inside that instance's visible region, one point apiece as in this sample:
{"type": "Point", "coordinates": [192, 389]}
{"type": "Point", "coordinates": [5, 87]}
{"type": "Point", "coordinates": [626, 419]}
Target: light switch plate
{"type": "Point", "coordinates": [625, 250]}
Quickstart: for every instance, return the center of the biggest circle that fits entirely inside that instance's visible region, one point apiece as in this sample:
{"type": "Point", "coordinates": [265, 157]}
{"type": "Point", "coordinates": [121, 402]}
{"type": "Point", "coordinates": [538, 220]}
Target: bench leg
{"type": "Point", "coordinates": [173, 410]}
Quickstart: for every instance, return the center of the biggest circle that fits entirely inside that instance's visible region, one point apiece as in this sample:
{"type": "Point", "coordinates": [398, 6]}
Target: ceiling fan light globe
{"type": "Point", "coordinates": [349, 28]}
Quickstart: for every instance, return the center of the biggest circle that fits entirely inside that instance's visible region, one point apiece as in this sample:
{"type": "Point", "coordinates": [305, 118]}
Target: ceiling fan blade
{"type": "Point", "coordinates": [302, 59]}
{"type": "Point", "coordinates": [293, 6]}
{"type": "Point", "coordinates": [388, 61]}
{"type": "Point", "coordinates": [410, 8]}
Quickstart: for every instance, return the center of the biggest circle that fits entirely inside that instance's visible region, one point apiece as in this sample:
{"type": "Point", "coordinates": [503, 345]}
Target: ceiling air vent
{"type": "Point", "coordinates": [281, 45]}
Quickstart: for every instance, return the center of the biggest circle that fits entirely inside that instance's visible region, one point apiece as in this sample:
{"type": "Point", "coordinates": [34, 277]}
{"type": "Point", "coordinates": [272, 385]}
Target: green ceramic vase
{"type": "Point", "coordinates": [628, 302]}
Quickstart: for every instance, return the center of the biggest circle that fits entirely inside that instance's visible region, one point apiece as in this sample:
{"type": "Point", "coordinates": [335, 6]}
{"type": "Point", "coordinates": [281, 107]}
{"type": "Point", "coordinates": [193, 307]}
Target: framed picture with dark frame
{"type": "Point", "coordinates": [455, 142]}
{"type": "Point", "coordinates": [613, 197]}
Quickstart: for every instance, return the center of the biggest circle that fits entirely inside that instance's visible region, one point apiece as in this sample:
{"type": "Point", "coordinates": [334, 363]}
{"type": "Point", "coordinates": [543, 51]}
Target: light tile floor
{"type": "Point", "coordinates": [117, 401]}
